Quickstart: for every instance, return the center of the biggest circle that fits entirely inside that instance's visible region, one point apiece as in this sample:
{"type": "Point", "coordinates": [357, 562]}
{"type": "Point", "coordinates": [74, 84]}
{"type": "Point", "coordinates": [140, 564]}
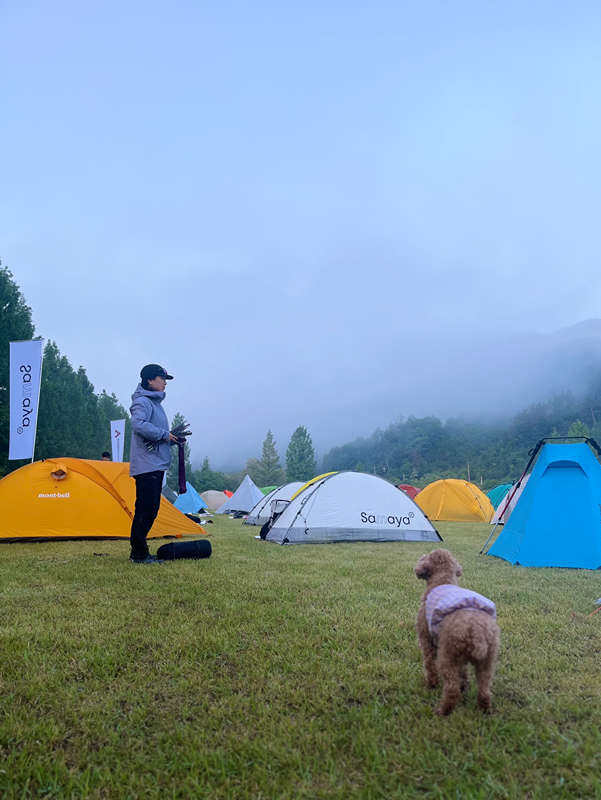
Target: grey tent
{"type": "Point", "coordinates": [169, 494]}
{"type": "Point", "coordinates": [244, 499]}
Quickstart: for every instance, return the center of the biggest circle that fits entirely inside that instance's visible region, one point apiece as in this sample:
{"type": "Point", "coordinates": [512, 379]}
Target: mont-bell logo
{"type": "Point", "coordinates": [26, 397]}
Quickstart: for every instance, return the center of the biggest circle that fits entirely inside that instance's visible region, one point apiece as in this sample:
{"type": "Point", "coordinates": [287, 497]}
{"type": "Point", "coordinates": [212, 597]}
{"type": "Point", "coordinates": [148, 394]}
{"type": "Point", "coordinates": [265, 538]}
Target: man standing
{"type": "Point", "coordinates": [147, 466]}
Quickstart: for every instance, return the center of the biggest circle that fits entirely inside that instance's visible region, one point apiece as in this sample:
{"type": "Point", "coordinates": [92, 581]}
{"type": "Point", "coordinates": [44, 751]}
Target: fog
{"type": "Point", "coordinates": [322, 214]}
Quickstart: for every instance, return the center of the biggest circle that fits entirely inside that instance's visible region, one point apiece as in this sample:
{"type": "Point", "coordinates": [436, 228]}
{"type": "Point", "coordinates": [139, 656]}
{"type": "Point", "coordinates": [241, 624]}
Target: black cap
{"type": "Point", "coordinates": [152, 371]}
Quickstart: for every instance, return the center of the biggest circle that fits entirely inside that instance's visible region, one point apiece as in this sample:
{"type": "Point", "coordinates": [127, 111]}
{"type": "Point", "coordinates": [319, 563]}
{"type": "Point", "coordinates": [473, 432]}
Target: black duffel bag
{"type": "Point", "coordinates": [201, 548]}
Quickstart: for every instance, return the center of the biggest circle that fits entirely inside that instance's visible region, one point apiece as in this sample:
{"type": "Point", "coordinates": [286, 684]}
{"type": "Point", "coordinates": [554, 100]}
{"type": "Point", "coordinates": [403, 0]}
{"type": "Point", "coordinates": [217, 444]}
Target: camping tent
{"type": "Point", "coordinates": [168, 492]}
{"type": "Point", "coordinates": [500, 509]}
{"type": "Point", "coordinates": [412, 491]}
{"type": "Point", "coordinates": [227, 493]}
{"type": "Point", "coordinates": [213, 499]}
{"type": "Point", "coordinates": [351, 507]}
{"type": "Point", "coordinates": [72, 498]}
{"type": "Point", "coordinates": [455, 500]}
{"type": "Point", "coordinates": [244, 499]}
{"type": "Point", "coordinates": [268, 489]}
{"type": "Point", "coordinates": [190, 502]}
{"type": "Point", "coordinates": [498, 493]}
{"type": "Point", "coordinates": [260, 514]}
{"type": "Point", "coordinates": [556, 522]}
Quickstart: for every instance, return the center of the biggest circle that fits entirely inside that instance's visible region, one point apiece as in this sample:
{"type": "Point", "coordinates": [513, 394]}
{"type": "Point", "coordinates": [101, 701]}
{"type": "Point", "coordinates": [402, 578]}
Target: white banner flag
{"type": "Point", "coordinates": [25, 376]}
{"type": "Point", "coordinates": [117, 438]}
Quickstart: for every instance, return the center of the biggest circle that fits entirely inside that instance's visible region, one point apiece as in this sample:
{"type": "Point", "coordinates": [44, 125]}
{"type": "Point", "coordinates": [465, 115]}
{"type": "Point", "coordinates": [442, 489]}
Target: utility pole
{"type": "Point", "coordinates": [468, 472]}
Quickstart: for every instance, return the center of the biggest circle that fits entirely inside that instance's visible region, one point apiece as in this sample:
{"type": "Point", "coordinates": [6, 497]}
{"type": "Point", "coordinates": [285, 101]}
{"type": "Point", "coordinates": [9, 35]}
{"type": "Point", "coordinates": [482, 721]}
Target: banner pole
{"type": "Point", "coordinates": [35, 433]}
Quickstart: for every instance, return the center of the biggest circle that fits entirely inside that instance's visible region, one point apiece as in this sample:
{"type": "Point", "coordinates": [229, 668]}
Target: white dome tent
{"type": "Point", "coordinates": [351, 507]}
{"type": "Point", "coordinates": [501, 507]}
{"type": "Point", "coordinates": [244, 499]}
{"type": "Point", "coordinates": [262, 511]}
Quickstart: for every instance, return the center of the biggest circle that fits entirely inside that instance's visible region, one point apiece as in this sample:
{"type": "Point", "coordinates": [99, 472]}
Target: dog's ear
{"type": "Point", "coordinates": [458, 569]}
{"type": "Point", "coordinates": [422, 568]}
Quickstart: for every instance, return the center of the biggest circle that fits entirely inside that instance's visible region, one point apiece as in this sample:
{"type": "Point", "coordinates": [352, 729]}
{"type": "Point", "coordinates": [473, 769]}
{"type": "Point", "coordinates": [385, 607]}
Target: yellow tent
{"type": "Point", "coordinates": [455, 501]}
{"type": "Point", "coordinates": [71, 498]}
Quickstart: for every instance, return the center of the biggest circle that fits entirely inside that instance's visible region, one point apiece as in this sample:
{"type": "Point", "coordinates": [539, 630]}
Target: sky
{"type": "Point", "coordinates": [320, 213]}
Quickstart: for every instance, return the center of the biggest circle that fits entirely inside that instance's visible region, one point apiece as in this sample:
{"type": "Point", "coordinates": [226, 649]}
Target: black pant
{"type": "Point", "coordinates": [148, 500]}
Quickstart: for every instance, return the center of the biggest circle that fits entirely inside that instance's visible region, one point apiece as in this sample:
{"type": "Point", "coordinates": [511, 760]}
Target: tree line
{"type": "Point", "coordinates": [420, 450]}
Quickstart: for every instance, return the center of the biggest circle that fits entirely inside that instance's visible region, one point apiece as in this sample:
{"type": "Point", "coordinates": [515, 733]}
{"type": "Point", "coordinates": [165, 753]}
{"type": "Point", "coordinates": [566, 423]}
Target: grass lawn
{"type": "Point", "coordinates": [277, 672]}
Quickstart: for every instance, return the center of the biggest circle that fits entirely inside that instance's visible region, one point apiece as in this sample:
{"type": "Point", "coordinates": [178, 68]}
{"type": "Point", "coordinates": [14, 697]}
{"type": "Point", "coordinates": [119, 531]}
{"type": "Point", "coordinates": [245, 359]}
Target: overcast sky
{"type": "Point", "coordinates": [323, 213]}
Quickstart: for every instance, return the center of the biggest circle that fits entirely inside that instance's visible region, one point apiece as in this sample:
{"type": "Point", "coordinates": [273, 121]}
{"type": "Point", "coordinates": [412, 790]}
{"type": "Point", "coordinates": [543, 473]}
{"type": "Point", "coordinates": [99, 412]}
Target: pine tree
{"type": "Point", "coordinates": [269, 471]}
{"type": "Point", "coordinates": [15, 324]}
{"type": "Point", "coordinates": [300, 456]}
{"type": "Point", "coordinates": [205, 479]}
{"type": "Point", "coordinates": [173, 472]}
{"type": "Point", "coordinates": [202, 478]}
{"type": "Point", "coordinates": [254, 470]}
{"type": "Point", "coordinates": [578, 428]}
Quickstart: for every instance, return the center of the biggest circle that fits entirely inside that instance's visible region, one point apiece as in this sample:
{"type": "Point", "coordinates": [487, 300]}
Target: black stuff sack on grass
{"type": "Point", "coordinates": [198, 549]}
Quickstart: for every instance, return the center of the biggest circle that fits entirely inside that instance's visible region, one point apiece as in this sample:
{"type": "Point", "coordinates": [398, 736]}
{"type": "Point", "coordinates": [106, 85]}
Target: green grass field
{"type": "Point", "coordinates": [284, 672]}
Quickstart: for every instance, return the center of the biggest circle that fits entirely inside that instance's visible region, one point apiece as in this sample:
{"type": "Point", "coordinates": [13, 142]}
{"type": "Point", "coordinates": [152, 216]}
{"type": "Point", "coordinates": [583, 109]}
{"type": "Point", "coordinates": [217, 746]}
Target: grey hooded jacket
{"type": "Point", "coordinates": [148, 424]}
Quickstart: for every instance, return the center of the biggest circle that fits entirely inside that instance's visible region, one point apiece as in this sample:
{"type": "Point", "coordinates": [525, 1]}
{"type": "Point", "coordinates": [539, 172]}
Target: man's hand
{"type": "Point", "coordinates": [173, 438]}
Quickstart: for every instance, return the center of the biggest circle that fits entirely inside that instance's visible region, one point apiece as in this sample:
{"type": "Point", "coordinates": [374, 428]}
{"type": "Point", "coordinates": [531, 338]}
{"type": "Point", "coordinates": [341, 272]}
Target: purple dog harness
{"type": "Point", "coordinates": [447, 598]}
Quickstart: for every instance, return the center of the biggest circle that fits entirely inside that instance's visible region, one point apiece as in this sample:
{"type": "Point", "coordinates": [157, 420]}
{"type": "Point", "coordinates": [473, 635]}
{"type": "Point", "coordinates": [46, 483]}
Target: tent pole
{"type": "Point", "coordinates": [533, 453]}
{"type": "Point", "coordinates": [490, 537]}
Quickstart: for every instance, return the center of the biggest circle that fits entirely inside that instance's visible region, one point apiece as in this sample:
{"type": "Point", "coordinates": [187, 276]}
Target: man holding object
{"type": "Point", "coordinates": [148, 466]}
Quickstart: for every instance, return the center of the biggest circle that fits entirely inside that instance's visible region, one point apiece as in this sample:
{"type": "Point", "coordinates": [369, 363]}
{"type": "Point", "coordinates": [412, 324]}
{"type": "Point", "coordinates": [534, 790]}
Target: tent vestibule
{"type": "Point", "coordinates": [261, 513]}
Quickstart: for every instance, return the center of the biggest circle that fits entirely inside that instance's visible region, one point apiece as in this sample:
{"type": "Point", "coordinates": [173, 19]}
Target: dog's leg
{"type": "Point", "coordinates": [429, 659]}
{"type": "Point", "coordinates": [464, 677]}
{"type": "Point", "coordinates": [428, 649]}
{"type": "Point", "coordinates": [451, 688]}
{"type": "Point", "coordinates": [485, 671]}
{"type": "Point", "coordinates": [484, 675]}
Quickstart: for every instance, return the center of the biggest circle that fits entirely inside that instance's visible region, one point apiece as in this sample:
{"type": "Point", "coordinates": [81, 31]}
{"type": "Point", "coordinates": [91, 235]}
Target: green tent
{"type": "Point", "coordinates": [267, 489]}
{"type": "Point", "coordinates": [498, 494]}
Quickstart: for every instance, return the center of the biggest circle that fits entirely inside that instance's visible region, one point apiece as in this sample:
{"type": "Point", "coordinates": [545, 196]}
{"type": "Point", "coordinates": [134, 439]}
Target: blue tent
{"type": "Point", "coordinates": [556, 521]}
{"type": "Point", "coordinates": [498, 493]}
{"type": "Point", "coordinates": [191, 502]}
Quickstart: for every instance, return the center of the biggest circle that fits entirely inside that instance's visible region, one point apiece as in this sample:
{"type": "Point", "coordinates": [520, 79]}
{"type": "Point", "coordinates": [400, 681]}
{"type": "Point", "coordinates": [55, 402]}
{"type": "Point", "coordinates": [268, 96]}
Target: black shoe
{"type": "Point", "coordinates": [147, 560]}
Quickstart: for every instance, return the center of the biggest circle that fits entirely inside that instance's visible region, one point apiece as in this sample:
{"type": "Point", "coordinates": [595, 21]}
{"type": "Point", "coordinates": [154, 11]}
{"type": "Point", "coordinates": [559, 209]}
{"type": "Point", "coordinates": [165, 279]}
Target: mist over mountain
{"type": "Point", "coordinates": [485, 379]}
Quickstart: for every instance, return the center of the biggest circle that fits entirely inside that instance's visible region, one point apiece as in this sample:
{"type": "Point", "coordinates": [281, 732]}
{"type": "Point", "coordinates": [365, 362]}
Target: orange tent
{"type": "Point", "coordinates": [72, 498]}
{"type": "Point", "coordinates": [455, 500]}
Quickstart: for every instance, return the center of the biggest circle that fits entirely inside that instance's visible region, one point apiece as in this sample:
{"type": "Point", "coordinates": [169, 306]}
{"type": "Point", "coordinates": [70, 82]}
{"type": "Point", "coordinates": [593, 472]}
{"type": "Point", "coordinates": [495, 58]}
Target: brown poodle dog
{"type": "Point", "coordinates": [455, 628]}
